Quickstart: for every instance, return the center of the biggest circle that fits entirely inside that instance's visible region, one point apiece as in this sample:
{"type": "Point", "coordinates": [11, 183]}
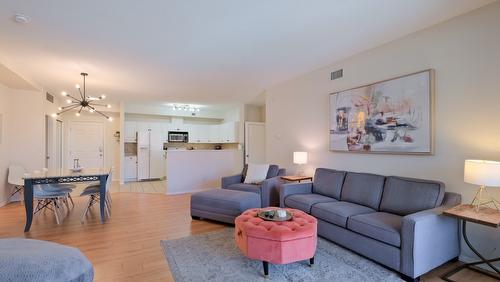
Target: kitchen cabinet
{"type": "Point", "coordinates": [229, 132]}
{"type": "Point", "coordinates": [130, 168]}
{"type": "Point", "coordinates": [130, 134]}
{"type": "Point", "coordinates": [214, 134]}
{"type": "Point", "coordinates": [199, 133]}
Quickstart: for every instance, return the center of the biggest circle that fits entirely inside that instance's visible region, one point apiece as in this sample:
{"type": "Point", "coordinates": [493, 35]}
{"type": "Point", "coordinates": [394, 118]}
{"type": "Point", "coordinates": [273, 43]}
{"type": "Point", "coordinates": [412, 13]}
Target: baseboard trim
{"type": "Point", "coordinates": [3, 203]}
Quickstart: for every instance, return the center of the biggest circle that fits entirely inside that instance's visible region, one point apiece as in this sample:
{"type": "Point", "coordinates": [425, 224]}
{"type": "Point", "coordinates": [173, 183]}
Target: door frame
{"type": "Point", "coordinates": [59, 163]}
{"type": "Point", "coordinates": [247, 123]}
{"type": "Point", "coordinates": [68, 147]}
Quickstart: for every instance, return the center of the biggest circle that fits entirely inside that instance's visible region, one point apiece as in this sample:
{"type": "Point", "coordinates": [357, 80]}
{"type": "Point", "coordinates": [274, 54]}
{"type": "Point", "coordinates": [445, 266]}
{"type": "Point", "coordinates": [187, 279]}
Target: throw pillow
{"type": "Point", "coordinates": [256, 173]}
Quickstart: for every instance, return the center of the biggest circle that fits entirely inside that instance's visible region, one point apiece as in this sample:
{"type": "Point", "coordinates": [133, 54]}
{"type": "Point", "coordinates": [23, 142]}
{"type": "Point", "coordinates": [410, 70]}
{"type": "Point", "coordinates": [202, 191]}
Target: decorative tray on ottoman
{"type": "Point", "coordinates": [272, 215]}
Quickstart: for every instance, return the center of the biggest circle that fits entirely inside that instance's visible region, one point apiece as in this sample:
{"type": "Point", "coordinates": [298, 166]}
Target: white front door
{"type": "Point", "coordinates": [255, 142]}
{"type": "Point", "coordinates": [86, 143]}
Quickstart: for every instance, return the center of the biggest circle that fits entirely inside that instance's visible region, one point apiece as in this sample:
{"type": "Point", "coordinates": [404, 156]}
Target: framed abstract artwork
{"type": "Point", "coordinates": [393, 116]}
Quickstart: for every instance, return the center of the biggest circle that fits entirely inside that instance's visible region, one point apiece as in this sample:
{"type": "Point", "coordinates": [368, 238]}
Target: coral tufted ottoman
{"type": "Point", "coordinates": [276, 242]}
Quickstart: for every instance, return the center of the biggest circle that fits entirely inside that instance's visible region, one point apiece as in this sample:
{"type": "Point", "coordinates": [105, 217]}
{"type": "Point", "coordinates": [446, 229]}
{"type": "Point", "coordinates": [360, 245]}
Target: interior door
{"type": "Point", "coordinates": [255, 142]}
{"type": "Point", "coordinates": [86, 143]}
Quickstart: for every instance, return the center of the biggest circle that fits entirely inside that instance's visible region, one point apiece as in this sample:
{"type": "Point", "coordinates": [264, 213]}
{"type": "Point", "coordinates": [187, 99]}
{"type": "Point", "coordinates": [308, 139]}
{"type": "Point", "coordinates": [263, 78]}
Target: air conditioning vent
{"type": "Point", "coordinates": [49, 97]}
{"type": "Point", "coordinates": [337, 74]}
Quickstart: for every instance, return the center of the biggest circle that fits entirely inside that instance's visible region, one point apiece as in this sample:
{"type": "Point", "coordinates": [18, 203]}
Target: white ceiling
{"type": "Point", "coordinates": [199, 51]}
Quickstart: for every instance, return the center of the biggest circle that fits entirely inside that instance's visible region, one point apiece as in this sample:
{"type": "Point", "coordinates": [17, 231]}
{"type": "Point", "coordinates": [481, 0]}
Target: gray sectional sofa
{"type": "Point", "coordinates": [394, 221]}
{"type": "Point", "coordinates": [268, 189]}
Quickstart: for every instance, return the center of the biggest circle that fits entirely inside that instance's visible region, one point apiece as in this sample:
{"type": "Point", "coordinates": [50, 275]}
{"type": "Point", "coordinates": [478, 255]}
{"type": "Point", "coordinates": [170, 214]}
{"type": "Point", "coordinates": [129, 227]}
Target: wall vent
{"type": "Point", "coordinates": [49, 97]}
{"type": "Point", "coordinates": [336, 74]}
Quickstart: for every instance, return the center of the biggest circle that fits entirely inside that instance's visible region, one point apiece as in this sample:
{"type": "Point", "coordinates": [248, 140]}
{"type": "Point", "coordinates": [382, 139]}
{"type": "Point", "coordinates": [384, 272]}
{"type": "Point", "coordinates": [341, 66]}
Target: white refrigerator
{"type": "Point", "coordinates": [150, 160]}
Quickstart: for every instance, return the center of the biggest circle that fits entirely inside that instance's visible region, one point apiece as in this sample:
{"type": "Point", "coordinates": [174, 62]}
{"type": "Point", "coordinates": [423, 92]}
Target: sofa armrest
{"type": "Point", "coordinates": [293, 188]}
{"type": "Point", "coordinates": [229, 180]}
{"type": "Point", "coordinates": [269, 191]}
{"type": "Point", "coordinates": [429, 239]}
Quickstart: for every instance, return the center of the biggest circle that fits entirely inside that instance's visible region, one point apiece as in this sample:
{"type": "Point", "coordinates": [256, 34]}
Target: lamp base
{"type": "Point", "coordinates": [483, 199]}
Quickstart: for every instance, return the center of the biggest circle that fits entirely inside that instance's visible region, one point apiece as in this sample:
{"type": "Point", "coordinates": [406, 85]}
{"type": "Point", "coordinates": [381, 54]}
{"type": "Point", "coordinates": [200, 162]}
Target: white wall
{"type": "Point", "coordinates": [23, 133]}
{"type": "Point", "coordinates": [255, 113]}
{"type": "Point", "coordinates": [4, 160]}
{"type": "Point", "coordinates": [465, 52]}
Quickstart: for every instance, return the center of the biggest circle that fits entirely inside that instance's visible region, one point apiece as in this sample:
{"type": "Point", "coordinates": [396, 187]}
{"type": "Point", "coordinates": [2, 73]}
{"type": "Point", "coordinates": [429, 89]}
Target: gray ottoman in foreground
{"type": "Point", "coordinates": [222, 204]}
{"type": "Point", "coordinates": [33, 260]}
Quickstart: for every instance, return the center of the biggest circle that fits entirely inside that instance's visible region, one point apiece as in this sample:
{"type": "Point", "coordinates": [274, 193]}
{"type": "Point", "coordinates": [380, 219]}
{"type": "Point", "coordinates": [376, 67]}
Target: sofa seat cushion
{"type": "Point", "coordinates": [304, 202]}
{"type": "Point", "coordinates": [404, 196]}
{"type": "Point", "coordinates": [244, 187]}
{"type": "Point", "coordinates": [338, 212]}
{"type": "Point", "coordinates": [382, 226]}
{"type": "Point", "coordinates": [224, 201]}
{"type": "Point", "coordinates": [328, 182]}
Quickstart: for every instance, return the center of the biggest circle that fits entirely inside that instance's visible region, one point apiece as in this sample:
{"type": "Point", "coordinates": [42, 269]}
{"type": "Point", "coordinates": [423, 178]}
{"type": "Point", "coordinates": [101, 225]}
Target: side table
{"type": "Point", "coordinates": [296, 178]}
{"type": "Point", "coordinates": [484, 216]}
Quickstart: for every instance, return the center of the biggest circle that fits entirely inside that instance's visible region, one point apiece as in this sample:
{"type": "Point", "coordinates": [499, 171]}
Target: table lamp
{"type": "Point", "coordinates": [300, 158]}
{"type": "Point", "coordinates": [483, 173]}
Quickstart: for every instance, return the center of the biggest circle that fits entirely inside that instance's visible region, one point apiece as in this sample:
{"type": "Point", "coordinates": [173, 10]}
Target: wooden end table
{"type": "Point", "coordinates": [485, 216]}
{"type": "Point", "coordinates": [296, 178]}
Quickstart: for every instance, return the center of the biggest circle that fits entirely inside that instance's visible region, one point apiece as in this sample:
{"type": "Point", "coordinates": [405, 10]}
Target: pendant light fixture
{"type": "Point", "coordinates": [84, 102]}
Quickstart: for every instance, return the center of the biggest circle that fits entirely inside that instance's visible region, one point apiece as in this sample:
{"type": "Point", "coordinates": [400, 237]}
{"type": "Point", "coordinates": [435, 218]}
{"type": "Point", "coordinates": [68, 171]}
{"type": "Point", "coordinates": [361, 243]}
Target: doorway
{"type": "Point", "coordinates": [86, 144]}
{"type": "Point", "coordinates": [255, 142]}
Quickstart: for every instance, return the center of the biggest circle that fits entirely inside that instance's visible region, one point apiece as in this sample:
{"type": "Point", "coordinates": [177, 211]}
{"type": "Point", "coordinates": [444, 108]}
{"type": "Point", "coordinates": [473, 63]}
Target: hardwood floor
{"type": "Point", "coordinates": [127, 247]}
{"type": "Point", "coordinates": [156, 186]}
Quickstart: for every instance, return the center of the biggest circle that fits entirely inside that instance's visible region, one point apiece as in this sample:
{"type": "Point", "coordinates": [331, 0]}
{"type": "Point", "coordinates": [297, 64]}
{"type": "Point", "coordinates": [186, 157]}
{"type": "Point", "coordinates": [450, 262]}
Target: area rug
{"type": "Point", "coordinates": [214, 256]}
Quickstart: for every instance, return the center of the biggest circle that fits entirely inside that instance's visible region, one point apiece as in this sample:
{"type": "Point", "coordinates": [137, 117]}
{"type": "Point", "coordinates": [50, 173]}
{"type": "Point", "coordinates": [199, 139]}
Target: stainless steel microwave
{"type": "Point", "coordinates": [178, 137]}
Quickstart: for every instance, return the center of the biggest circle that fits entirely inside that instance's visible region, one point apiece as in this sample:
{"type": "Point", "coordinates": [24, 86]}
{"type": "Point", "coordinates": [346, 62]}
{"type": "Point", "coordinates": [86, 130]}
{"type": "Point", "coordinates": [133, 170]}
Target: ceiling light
{"type": "Point", "coordinates": [82, 101]}
{"type": "Point", "coordinates": [110, 118]}
{"type": "Point", "coordinates": [21, 18]}
{"type": "Point", "coordinates": [54, 115]}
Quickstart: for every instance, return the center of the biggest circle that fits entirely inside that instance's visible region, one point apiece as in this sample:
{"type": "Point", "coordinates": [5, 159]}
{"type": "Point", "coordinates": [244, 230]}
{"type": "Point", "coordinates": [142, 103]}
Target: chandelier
{"type": "Point", "coordinates": [83, 103]}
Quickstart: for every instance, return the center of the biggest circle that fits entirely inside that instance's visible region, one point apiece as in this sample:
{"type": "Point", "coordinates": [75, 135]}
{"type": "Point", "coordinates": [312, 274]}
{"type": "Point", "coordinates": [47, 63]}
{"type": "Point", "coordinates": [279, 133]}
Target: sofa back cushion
{"type": "Point", "coordinates": [328, 182]}
{"type": "Point", "coordinates": [363, 188]}
{"type": "Point", "coordinates": [403, 196]}
{"type": "Point", "coordinates": [272, 172]}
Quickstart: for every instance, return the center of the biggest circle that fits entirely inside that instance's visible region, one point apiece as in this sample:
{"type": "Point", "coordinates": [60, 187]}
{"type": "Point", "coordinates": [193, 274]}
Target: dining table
{"type": "Point", "coordinates": [59, 176]}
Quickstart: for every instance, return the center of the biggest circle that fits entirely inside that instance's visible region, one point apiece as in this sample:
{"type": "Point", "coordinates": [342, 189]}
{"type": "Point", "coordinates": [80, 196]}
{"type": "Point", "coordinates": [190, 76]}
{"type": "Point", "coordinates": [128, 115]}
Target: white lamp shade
{"type": "Point", "coordinates": [482, 172]}
{"type": "Point", "coordinates": [300, 157]}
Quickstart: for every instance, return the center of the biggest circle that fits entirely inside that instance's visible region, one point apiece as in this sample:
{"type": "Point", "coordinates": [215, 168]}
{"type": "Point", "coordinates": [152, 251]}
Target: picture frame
{"type": "Point", "coordinates": [392, 116]}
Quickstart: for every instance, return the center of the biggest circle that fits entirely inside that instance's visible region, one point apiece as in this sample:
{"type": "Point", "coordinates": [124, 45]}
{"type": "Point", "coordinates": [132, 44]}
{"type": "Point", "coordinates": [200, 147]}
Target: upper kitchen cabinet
{"type": "Point", "coordinates": [199, 133]}
{"type": "Point", "coordinates": [130, 134]}
{"type": "Point", "coordinates": [228, 132]}
{"type": "Point", "coordinates": [213, 133]}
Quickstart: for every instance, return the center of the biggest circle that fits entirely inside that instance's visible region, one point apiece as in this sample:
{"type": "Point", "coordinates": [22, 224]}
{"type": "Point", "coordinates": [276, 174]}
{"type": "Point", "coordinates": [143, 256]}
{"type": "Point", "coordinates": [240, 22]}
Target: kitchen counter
{"type": "Point", "coordinates": [195, 170]}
